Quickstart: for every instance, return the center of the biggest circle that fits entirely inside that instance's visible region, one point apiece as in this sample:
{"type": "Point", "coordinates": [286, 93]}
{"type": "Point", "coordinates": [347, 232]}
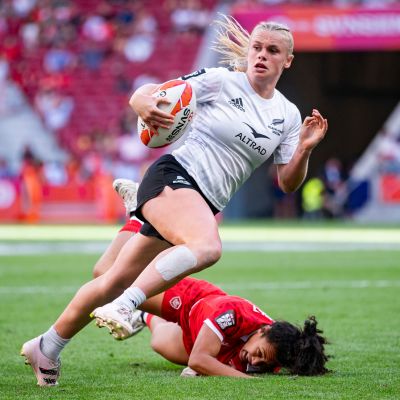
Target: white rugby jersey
{"type": "Point", "coordinates": [234, 131]}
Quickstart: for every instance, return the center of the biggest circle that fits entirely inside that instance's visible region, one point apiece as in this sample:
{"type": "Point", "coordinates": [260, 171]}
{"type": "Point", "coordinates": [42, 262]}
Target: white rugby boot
{"type": "Point", "coordinates": [120, 321]}
{"type": "Point", "coordinates": [46, 370]}
{"type": "Point", "coordinates": [127, 190]}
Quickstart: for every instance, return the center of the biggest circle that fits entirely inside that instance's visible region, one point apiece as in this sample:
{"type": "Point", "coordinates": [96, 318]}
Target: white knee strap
{"type": "Point", "coordinates": [176, 262]}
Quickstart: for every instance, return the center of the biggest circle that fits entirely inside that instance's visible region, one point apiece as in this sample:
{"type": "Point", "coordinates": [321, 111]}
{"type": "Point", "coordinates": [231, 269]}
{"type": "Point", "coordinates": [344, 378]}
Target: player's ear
{"type": "Point", "coordinates": [288, 61]}
{"type": "Point", "coordinates": [263, 330]}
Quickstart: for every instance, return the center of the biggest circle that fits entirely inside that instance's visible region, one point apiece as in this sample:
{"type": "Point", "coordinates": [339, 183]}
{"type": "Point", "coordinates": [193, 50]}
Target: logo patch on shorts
{"type": "Point", "coordinates": [182, 180]}
{"type": "Point", "coordinates": [226, 320]}
{"type": "Point", "coordinates": [176, 302]}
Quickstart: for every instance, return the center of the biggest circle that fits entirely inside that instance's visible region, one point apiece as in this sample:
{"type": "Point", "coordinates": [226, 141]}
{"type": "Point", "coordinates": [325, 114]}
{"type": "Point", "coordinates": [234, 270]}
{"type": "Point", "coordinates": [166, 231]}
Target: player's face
{"type": "Point", "coordinates": [257, 351]}
{"type": "Point", "coordinates": [268, 55]}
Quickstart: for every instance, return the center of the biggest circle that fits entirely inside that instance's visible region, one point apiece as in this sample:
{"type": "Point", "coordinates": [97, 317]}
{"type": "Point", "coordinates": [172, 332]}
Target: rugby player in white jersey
{"type": "Point", "coordinates": [241, 121]}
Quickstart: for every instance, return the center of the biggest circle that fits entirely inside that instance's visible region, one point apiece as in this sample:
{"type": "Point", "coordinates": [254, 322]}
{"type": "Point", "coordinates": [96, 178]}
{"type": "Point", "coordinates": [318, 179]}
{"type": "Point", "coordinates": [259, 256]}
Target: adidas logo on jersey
{"type": "Point", "coordinates": [238, 103]}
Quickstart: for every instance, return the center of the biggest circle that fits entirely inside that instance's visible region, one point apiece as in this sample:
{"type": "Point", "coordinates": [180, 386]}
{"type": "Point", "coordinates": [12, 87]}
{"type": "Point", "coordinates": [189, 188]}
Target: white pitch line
{"type": "Point", "coordinates": [28, 290]}
{"type": "Point", "coordinates": [361, 284]}
{"type": "Point", "coordinates": [11, 249]}
{"type": "Point", "coordinates": [303, 285]}
{"type": "Point", "coordinates": [306, 247]}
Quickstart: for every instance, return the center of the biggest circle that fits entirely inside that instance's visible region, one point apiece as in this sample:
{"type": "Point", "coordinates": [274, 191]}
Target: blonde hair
{"type": "Point", "coordinates": [232, 40]}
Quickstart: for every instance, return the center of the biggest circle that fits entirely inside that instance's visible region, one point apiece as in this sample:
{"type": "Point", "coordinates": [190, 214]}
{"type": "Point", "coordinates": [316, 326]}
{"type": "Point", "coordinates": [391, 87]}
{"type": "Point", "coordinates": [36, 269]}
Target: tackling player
{"type": "Point", "coordinates": [217, 334]}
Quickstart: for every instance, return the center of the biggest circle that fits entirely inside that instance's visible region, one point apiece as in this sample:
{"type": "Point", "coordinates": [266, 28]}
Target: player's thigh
{"type": "Point", "coordinates": [182, 216]}
{"type": "Point", "coordinates": [109, 256]}
{"type": "Point", "coordinates": [167, 340]}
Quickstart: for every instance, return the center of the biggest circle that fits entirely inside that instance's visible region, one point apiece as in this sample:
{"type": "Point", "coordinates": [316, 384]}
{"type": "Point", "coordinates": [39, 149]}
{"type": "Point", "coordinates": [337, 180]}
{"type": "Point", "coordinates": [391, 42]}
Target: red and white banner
{"type": "Point", "coordinates": [323, 28]}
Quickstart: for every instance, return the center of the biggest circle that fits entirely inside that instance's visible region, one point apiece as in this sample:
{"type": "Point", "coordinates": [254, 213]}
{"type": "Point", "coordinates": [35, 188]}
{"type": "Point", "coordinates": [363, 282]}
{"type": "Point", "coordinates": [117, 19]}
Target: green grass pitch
{"type": "Point", "coordinates": [351, 283]}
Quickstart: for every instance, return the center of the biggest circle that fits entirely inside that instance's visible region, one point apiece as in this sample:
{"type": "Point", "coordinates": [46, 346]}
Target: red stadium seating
{"type": "Point", "coordinates": [98, 104]}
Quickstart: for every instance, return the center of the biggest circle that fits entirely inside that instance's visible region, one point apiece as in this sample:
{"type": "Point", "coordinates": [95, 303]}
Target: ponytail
{"type": "Point", "coordinates": [232, 43]}
{"type": "Point", "coordinates": [310, 354]}
{"type": "Point", "coordinates": [301, 351]}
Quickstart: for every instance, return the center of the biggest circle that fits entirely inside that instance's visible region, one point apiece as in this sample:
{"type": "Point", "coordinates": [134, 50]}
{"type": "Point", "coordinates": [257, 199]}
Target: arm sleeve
{"type": "Point", "coordinates": [206, 83]}
{"type": "Point", "coordinates": [284, 152]}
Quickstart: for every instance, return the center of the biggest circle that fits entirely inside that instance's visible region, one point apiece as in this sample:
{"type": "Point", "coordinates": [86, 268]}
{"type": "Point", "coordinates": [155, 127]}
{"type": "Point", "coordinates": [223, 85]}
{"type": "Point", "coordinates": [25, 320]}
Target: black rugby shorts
{"type": "Point", "coordinates": [166, 171]}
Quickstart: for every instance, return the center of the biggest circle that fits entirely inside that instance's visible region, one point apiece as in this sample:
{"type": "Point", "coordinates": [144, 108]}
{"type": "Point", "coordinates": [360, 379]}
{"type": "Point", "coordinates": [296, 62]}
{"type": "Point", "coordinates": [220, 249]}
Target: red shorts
{"type": "Point", "coordinates": [179, 299]}
{"type": "Point", "coordinates": [133, 225]}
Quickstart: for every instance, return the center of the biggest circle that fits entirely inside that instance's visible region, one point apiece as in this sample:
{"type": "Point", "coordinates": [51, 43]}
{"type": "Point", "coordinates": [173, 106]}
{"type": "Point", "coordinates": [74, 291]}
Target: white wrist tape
{"type": "Point", "coordinates": [176, 262]}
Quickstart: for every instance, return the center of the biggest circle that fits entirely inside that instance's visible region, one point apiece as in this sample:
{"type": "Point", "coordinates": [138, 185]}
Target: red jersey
{"type": "Point", "coordinates": [231, 318]}
{"type": "Point", "coordinates": [179, 299]}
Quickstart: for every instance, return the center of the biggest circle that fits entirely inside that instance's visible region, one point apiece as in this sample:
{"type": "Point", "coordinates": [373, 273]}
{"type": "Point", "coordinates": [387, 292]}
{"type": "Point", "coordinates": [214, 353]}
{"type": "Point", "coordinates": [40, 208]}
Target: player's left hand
{"type": "Point", "coordinates": [313, 130]}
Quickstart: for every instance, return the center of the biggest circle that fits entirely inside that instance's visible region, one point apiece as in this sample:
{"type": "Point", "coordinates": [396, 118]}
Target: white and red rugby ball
{"type": "Point", "coordinates": [182, 106]}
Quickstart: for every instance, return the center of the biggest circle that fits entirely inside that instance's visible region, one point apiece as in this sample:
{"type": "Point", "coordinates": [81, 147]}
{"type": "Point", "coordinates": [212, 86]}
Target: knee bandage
{"type": "Point", "coordinates": [176, 262]}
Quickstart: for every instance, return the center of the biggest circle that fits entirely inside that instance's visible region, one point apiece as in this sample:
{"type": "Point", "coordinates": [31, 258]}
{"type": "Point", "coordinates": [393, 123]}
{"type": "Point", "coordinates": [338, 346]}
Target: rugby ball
{"type": "Point", "coordinates": [182, 106]}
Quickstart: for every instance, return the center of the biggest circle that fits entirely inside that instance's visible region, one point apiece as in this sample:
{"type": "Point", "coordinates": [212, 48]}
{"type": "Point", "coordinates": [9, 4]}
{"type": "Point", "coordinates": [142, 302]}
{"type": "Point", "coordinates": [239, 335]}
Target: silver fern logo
{"type": "Point", "coordinates": [274, 126]}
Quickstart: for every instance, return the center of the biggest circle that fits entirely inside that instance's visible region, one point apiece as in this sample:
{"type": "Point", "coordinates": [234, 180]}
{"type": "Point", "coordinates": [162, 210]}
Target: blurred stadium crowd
{"type": "Point", "coordinates": [77, 62]}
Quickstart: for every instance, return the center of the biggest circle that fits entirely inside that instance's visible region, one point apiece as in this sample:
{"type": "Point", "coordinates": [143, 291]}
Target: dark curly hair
{"type": "Point", "coordinates": [300, 351]}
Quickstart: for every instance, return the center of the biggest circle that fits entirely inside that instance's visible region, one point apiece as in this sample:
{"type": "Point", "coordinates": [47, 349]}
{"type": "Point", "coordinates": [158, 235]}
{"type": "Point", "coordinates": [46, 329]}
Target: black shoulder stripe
{"type": "Point", "coordinates": [194, 74]}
